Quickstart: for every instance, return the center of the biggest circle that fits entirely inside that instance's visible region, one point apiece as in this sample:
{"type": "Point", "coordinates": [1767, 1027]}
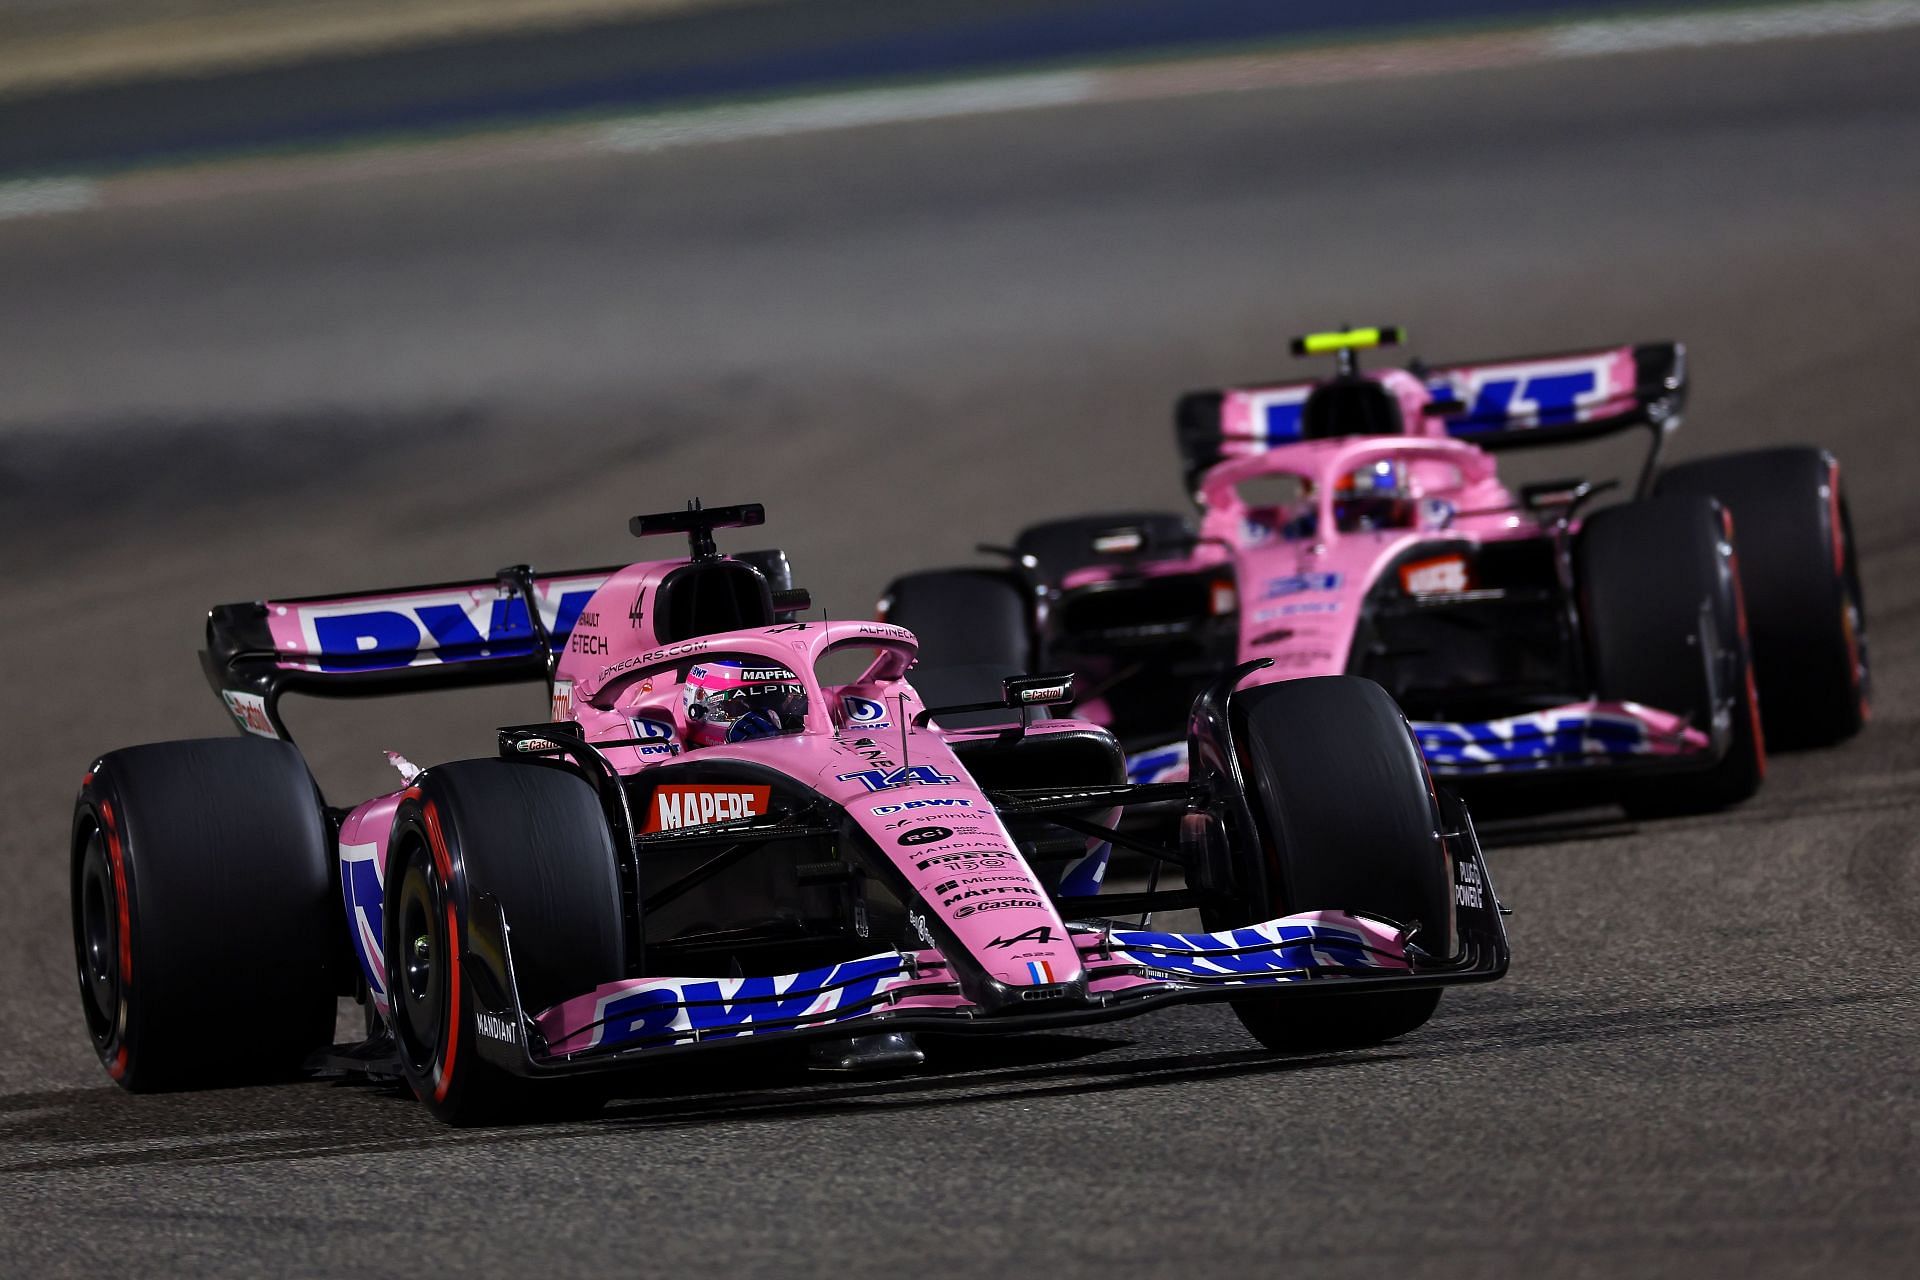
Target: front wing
{"type": "Point", "coordinates": [1126, 971]}
{"type": "Point", "coordinates": [1581, 738]}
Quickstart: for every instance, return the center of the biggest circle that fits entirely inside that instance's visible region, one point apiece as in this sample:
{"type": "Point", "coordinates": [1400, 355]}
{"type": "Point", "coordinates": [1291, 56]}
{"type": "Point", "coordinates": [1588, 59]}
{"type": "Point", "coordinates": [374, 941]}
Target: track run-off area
{"type": "Point", "coordinates": [905, 338]}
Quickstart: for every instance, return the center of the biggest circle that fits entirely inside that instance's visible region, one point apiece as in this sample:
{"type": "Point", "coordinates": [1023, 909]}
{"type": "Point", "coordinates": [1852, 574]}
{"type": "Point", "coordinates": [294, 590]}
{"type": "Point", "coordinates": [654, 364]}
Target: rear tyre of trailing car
{"type": "Point", "coordinates": [965, 618]}
{"type": "Point", "coordinates": [1348, 822]}
{"type": "Point", "coordinates": [1805, 609]}
{"type": "Point", "coordinates": [1661, 603]}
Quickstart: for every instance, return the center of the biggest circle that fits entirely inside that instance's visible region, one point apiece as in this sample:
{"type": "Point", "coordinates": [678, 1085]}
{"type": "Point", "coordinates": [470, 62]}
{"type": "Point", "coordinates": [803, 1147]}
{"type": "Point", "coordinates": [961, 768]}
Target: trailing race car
{"type": "Point", "coordinates": [1356, 525]}
{"type": "Point", "coordinates": [736, 824]}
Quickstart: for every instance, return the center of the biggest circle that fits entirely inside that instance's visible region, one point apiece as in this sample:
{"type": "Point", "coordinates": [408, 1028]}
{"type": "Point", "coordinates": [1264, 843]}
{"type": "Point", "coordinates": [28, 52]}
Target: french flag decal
{"type": "Point", "coordinates": [1040, 971]}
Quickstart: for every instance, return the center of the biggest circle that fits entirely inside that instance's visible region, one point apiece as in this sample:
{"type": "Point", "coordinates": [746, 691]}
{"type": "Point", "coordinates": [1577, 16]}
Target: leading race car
{"type": "Point", "coordinates": [737, 825]}
{"type": "Point", "coordinates": [1356, 524]}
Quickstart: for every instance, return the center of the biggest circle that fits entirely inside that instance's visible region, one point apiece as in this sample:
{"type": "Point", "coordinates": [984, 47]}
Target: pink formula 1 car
{"type": "Point", "coordinates": [736, 825]}
{"type": "Point", "coordinates": [1356, 525]}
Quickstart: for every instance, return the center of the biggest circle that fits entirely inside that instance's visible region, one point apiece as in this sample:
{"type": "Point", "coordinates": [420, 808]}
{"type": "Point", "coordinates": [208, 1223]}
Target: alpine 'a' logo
{"type": "Point", "coordinates": [1041, 934]}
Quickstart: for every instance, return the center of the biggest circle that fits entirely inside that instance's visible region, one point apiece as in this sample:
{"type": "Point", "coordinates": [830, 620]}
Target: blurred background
{"type": "Point", "coordinates": [308, 297]}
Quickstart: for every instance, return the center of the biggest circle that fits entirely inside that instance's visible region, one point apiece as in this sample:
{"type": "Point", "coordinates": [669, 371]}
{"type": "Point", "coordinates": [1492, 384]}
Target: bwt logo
{"type": "Point", "coordinates": [1251, 953]}
{"type": "Point", "coordinates": [1549, 395]}
{"type": "Point", "coordinates": [721, 1008]}
{"type": "Point", "coordinates": [1538, 737]}
{"type": "Point", "coordinates": [447, 629]}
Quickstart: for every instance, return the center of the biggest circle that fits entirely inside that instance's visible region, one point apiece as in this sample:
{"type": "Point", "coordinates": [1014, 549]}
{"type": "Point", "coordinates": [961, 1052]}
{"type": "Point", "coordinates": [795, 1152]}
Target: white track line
{"type": "Point", "coordinates": [47, 195]}
{"type": "Point", "coordinates": [1743, 26]}
{"type": "Point", "coordinates": [829, 112]}
{"type": "Point", "coordinates": [851, 110]}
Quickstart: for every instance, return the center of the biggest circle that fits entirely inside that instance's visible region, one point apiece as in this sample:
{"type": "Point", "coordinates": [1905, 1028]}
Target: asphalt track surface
{"type": "Point", "coordinates": [903, 339]}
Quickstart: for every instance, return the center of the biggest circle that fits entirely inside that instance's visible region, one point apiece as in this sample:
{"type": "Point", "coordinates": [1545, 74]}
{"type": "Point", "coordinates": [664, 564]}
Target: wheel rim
{"type": "Point", "coordinates": [419, 967]}
{"type": "Point", "coordinates": [97, 940]}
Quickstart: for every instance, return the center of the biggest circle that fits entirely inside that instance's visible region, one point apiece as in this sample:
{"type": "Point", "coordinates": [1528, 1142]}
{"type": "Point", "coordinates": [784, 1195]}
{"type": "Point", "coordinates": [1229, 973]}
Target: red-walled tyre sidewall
{"type": "Point", "coordinates": [1801, 572]}
{"type": "Point", "coordinates": [534, 840]}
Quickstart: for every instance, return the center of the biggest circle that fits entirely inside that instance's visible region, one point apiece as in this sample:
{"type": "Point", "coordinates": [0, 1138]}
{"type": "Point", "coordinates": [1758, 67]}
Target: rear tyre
{"type": "Point", "coordinates": [205, 920]}
{"type": "Point", "coordinates": [1348, 822]}
{"type": "Point", "coordinates": [534, 839]}
{"type": "Point", "coordinates": [965, 617]}
{"type": "Point", "coordinates": [1061, 546]}
{"type": "Point", "coordinates": [1660, 600]}
{"type": "Point", "coordinates": [1805, 610]}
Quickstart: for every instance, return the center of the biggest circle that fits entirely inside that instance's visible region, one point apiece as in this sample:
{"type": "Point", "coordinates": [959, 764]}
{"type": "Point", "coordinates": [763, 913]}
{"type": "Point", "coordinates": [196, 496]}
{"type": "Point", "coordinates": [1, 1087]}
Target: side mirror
{"type": "Point", "coordinates": [1039, 691]}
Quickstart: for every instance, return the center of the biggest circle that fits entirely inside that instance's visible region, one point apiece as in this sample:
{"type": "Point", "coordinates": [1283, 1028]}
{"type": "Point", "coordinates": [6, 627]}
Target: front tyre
{"type": "Point", "coordinates": [205, 921]}
{"type": "Point", "coordinates": [533, 839]}
{"type": "Point", "coordinates": [1348, 822]}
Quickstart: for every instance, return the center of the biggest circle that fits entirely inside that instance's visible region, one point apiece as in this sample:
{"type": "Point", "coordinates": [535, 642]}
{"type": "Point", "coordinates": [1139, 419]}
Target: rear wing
{"type": "Point", "coordinates": [1505, 404]}
{"type": "Point", "coordinates": [1555, 399]}
{"type": "Point", "coordinates": [446, 635]}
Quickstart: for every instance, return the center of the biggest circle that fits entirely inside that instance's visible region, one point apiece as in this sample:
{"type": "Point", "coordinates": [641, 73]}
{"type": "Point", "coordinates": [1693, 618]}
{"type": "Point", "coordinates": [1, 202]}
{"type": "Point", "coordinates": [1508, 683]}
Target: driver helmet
{"type": "Point", "coordinates": [729, 700]}
{"type": "Point", "coordinates": [1374, 496]}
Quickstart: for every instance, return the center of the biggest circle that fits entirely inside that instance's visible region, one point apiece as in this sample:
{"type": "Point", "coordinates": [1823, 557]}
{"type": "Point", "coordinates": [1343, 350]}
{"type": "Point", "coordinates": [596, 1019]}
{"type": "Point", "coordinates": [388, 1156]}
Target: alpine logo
{"type": "Point", "coordinates": [696, 805]}
{"type": "Point", "coordinates": [656, 736]}
{"type": "Point", "coordinates": [1040, 936]}
{"type": "Point", "coordinates": [865, 713]}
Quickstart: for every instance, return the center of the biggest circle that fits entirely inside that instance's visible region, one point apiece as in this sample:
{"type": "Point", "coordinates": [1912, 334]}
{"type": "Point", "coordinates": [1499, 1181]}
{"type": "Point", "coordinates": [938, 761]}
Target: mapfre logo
{"type": "Point", "coordinates": [692, 805]}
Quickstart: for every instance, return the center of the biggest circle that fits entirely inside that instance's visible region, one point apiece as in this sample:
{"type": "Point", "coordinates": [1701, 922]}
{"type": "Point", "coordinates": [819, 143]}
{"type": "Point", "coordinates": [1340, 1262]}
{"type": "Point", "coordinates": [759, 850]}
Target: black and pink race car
{"type": "Point", "coordinates": [1356, 524]}
{"type": "Point", "coordinates": [736, 824]}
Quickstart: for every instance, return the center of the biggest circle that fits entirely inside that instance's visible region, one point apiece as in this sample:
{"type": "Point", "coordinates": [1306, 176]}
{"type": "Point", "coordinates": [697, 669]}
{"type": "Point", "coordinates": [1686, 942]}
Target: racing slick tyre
{"type": "Point", "coordinates": [532, 838]}
{"type": "Point", "coordinates": [1348, 822]}
{"type": "Point", "coordinates": [205, 922]}
{"type": "Point", "coordinates": [1660, 600]}
{"type": "Point", "coordinates": [965, 617]}
{"type": "Point", "coordinates": [1805, 612]}
{"type": "Point", "coordinates": [1061, 546]}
